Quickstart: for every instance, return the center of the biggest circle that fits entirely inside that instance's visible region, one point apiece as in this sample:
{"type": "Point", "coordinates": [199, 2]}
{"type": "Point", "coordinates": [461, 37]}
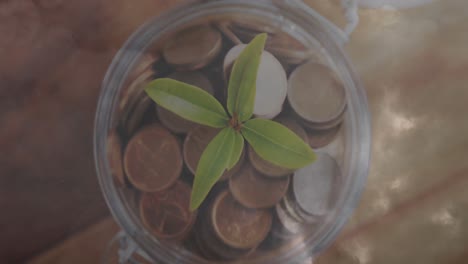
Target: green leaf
{"type": "Point", "coordinates": [277, 144]}
{"type": "Point", "coordinates": [237, 149]}
{"type": "Point", "coordinates": [187, 101]}
{"type": "Point", "coordinates": [213, 162]}
{"type": "Point", "coordinates": [242, 83]}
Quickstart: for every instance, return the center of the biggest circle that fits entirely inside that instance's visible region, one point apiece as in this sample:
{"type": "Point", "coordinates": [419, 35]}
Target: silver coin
{"type": "Point", "coordinates": [289, 50]}
{"type": "Point", "coordinates": [289, 223]}
{"type": "Point", "coordinates": [297, 212]}
{"type": "Point", "coordinates": [271, 83]}
{"type": "Point", "coordinates": [193, 48]}
{"type": "Point", "coordinates": [315, 94]}
{"type": "Point", "coordinates": [174, 122]}
{"type": "Point", "coordinates": [313, 185]}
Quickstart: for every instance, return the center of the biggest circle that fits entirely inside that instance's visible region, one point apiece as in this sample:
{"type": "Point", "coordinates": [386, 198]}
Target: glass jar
{"type": "Point", "coordinates": [351, 148]}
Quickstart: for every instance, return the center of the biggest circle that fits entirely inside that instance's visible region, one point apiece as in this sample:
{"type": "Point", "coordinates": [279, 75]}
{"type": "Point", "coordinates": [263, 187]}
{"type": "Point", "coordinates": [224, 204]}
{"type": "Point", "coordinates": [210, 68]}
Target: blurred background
{"type": "Point", "coordinates": [413, 63]}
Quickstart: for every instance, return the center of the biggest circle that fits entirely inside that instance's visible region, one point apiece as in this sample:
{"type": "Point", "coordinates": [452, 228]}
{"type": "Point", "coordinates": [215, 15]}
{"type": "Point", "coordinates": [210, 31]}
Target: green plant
{"type": "Point", "coordinates": [271, 140]}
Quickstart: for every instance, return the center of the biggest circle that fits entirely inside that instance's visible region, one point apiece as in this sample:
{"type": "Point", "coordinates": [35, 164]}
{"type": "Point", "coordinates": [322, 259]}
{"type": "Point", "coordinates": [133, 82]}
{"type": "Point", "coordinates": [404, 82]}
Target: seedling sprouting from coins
{"type": "Point", "coordinates": [270, 140]}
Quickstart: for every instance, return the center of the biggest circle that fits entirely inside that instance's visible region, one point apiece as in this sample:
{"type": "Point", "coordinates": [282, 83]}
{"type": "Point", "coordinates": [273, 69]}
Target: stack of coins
{"type": "Point", "coordinates": [316, 96]}
{"type": "Point", "coordinates": [287, 49]}
{"type": "Point", "coordinates": [153, 154]}
{"type": "Point", "coordinates": [231, 230]}
{"type": "Point", "coordinates": [311, 194]}
{"type": "Point", "coordinates": [133, 102]}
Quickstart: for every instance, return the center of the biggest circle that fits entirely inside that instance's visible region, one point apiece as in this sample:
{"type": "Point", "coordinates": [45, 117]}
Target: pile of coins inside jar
{"type": "Point", "coordinates": [256, 206]}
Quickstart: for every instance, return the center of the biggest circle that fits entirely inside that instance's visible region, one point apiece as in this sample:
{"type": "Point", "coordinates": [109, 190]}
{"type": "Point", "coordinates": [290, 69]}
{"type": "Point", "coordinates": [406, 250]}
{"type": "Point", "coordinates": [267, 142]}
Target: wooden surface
{"type": "Point", "coordinates": [54, 54]}
{"type": "Point", "coordinates": [87, 246]}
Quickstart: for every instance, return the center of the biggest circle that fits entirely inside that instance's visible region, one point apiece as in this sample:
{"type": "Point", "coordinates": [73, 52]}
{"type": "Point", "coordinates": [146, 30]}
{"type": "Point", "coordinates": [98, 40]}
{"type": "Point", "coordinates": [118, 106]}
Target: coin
{"type": "Point", "coordinates": [201, 238]}
{"type": "Point", "coordinates": [271, 84]}
{"type": "Point", "coordinates": [114, 157]}
{"type": "Point", "coordinates": [237, 226]}
{"type": "Point", "coordinates": [288, 50]}
{"type": "Point", "coordinates": [135, 120]}
{"type": "Point", "coordinates": [325, 125]}
{"type": "Point", "coordinates": [295, 211]}
{"type": "Point", "coordinates": [133, 104]}
{"type": "Point", "coordinates": [290, 224]}
{"type": "Point", "coordinates": [144, 63]}
{"type": "Point", "coordinates": [193, 48]}
{"type": "Point", "coordinates": [225, 28]}
{"type": "Point", "coordinates": [153, 159]}
{"type": "Point", "coordinates": [289, 56]}
{"type": "Point", "coordinates": [255, 27]}
{"type": "Point", "coordinates": [166, 213]}
{"type": "Point", "coordinates": [321, 138]}
{"type": "Point", "coordinates": [143, 66]}
{"type": "Point", "coordinates": [315, 94]}
{"type": "Point", "coordinates": [133, 88]}
{"type": "Point", "coordinates": [267, 168]}
{"type": "Point", "coordinates": [254, 190]}
{"type": "Point", "coordinates": [278, 233]}
{"type": "Point", "coordinates": [212, 247]}
{"type": "Point", "coordinates": [172, 121]}
{"type": "Point", "coordinates": [313, 185]}
{"type": "Point", "coordinates": [196, 142]}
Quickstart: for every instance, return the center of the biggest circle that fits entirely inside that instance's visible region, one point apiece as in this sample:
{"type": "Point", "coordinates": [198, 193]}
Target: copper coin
{"type": "Point", "coordinates": [315, 94]}
{"type": "Point", "coordinates": [196, 142]}
{"type": "Point", "coordinates": [174, 122]}
{"type": "Point", "coordinates": [130, 100]}
{"type": "Point", "coordinates": [193, 48]}
{"type": "Point", "coordinates": [135, 119]}
{"type": "Point", "coordinates": [321, 138]}
{"type": "Point", "coordinates": [133, 89]}
{"type": "Point", "coordinates": [225, 28]}
{"type": "Point", "coordinates": [153, 159]}
{"type": "Point", "coordinates": [237, 226]}
{"type": "Point", "coordinates": [114, 156]}
{"type": "Point", "coordinates": [254, 190]}
{"type": "Point", "coordinates": [266, 167]}
{"type": "Point", "coordinates": [324, 125]}
{"type": "Point", "coordinates": [144, 63]}
{"type": "Point", "coordinates": [166, 213]}
{"type": "Point", "coordinates": [254, 27]}
{"type": "Point", "coordinates": [213, 247]}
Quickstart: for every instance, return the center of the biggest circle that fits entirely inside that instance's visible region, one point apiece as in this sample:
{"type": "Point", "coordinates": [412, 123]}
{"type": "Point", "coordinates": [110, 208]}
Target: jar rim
{"type": "Point", "coordinates": [301, 25]}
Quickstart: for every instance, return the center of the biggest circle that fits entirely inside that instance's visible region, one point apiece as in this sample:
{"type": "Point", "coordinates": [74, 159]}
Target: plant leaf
{"type": "Point", "coordinates": [242, 83]}
{"type": "Point", "coordinates": [213, 162]}
{"type": "Point", "coordinates": [188, 101]}
{"type": "Point", "coordinates": [277, 144]}
{"type": "Point", "coordinates": [237, 149]}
